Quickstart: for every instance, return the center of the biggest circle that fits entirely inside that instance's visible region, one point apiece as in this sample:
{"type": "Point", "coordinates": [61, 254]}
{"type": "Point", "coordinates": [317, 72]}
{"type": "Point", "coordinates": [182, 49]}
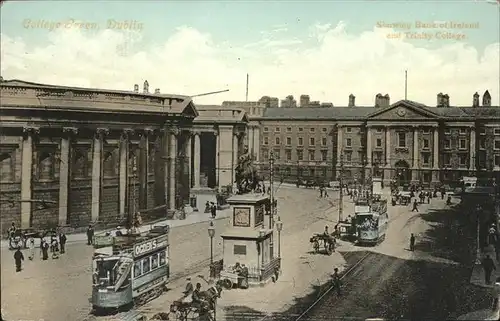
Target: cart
{"type": "Point", "coordinates": [326, 240]}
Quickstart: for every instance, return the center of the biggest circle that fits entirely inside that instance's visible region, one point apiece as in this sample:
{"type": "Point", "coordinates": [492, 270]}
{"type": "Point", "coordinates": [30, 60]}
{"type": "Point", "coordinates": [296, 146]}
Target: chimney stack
{"type": "Point", "coordinates": [379, 100]}
{"type": "Point", "coordinates": [146, 87]}
{"type": "Point", "coordinates": [486, 99]}
{"type": "Point", "coordinates": [387, 100]}
{"type": "Point", "coordinates": [157, 90]}
{"type": "Point", "coordinates": [136, 88]}
{"type": "Point", "coordinates": [475, 100]}
{"type": "Point", "coordinates": [352, 101]}
{"type": "Point", "coordinates": [446, 100]}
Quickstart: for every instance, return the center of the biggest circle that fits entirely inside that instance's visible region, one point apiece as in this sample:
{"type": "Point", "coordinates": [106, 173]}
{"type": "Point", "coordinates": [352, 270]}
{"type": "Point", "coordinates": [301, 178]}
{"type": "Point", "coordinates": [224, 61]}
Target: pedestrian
{"type": "Point", "coordinates": [44, 250]}
{"type": "Point", "coordinates": [488, 266]}
{"type": "Point", "coordinates": [336, 281]}
{"type": "Point", "coordinates": [428, 197]}
{"type": "Point", "coordinates": [62, 241]}
{"type": "Point", "coordinates": [19, 258]}
{"type": "Point", "coordinates": [90, 235]}
{"type": "Point", "coordinates": [415, 206]}
{"type": "Point", "coordinates": [213, 210]}
{"type": "Point", "coordinates": [189, 287]}
{"type": "Point", "coordinates": [325, 192]}
{"type": "Point", "coordinates": [31, 245]}
{"type": "Point", "coordinates": [412, 242]}
{"type": "Point", "coordinates": [54, 248]}
{"type": "Point", "coordinates": [321, 191]}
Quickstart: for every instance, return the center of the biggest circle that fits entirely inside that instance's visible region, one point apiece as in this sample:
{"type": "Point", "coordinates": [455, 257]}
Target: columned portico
{"type": "Point", "coordinates": [173, 132]}
{"type": "Point", "coordinates": [196, 159]}
{"type": "Point", "coordinates": [26, 174]}
{"type": "Point", "coordinates": [387, 169]}
{"type": "Point", "coordinates": [97, 172]}
{"type": "Point", "coordinates": [68, 134]}
{"type": "Point", "coordinates": [415, 154]}
{"type": "Point", "coordinates": [124, 172]}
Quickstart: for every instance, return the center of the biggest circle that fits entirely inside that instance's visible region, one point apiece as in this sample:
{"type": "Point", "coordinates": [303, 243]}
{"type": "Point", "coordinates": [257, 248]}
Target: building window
{"type": "Point", "coordinates": [447, 131]}
{"type": "Point", "coordinates": [277, 129]}
{"type": "Point", "coordinates": [46, 169]}
{"type": "Point", "coordinates": [300, 141]}
{"type": "Point", "coordinates": [348, 142]}
{"type": "Point", "coordinates": [301, 129]}
{"type": "Point", "coordinates": [289, 129]}
{"type": "Point", "coordinates": [266, 129]}
{"type": "Point", "coordinates": [497, 160]}
{"type": "Point", "coordinates": [300, 154]}
{"type": "Point", "coordinates": [289, 140]}
{"type": "Point", "coordinates": [446, 159]}
{"type": "Point", "coordinates": [288, 155]}
{"type": "Point", "coordinates": [426, 143]}
{"type": "Point", "coordinates": [265, 154]}
{"type": "Point", "coordinates": [482, 131]}
{"type": "Point", "coordinates": [496, 131]}
{"type": "Point", "coordinates": [462, 159]}
{"type": "Point", "coordinates": [401, 140]}
{"type": "Point", "coordinates": [324, 129]}
{"type": "Point", "coordinates": [312, 141]}
{"type": "Point", "coordinates": [447, 144]}
{"type": "Point", "coordinates": [311, 155]}
{"type": "Point", "coordinates": [463, 144]}
{"type": "Point", "coordinates": [463, 131]}
{"type": "Point", "coordinates": [324, 155]}
{"type": "Point", "coordinates": [277, 140]}
{"type": "Point", "coordinates": [348, 129]}
{"type": "Point", "coordinates": [266, 140]}
{"type": "Point", "coordinates": [6, 168]}
{"type": "Point", "coordinates": [323, 141]}
{"type": "Point", "coordinates": [311, 130]}
{"type": "Point", "coordinates": [277, 153]}
{"type": "Point", "coordinates": [110, 162]}
{"type": "Point", "coordinates": [482, 143]}
{"type": "Point", "coordinates": [497, 144]}
{"type": "Point", "coordinates": [348, 156]}
{"type": "Point", "coordinates": [379, 142]}
{"type": "Point", "coordinates": [426, 158]}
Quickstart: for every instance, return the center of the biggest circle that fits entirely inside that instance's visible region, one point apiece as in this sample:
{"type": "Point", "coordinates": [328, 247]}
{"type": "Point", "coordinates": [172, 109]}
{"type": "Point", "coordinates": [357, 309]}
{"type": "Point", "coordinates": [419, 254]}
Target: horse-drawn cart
{"type": "Point", "coordinates": [186, 309]}
{"type": "Point", "coordinates": [325, 240]}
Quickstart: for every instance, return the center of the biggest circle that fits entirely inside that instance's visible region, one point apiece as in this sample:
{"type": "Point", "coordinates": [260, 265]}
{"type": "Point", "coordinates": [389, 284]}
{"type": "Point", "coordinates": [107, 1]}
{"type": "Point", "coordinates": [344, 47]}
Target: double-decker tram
{"type": "Point", "coordinates": [129, 269]}
{"type": "Point", "coordinates": [372, 221]}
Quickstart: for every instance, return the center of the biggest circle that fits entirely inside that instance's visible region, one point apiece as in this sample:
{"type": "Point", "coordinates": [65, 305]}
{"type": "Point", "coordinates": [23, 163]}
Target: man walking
{"type": "Point", "coordinates": [213, 210]}
{"type": "Point", "coordinates": [62, 241]}
{"type": "Point", "coordinates": [412, 242]}
{"type": "Point", "coordinates": [415, 206]}
{"type": "Point", "coordinates": [90, 235]}
{"type": "Point", "coordinates": [18, 257]}
{"type": "Point", "coordinates": [488, 266]}
{"type": "Point", "coordinates": [336, 282]}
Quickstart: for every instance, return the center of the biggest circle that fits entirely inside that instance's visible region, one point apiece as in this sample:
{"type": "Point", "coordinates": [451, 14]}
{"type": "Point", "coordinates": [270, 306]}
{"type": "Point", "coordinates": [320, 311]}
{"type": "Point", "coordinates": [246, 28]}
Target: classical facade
{"type": "Point", "coordinates": [74, 156]}
{"type": "Point", "coordinates": [406, 140]}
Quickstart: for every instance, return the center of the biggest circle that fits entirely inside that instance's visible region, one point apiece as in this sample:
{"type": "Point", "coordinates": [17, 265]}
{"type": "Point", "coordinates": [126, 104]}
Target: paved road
{"type": "Point", "coordinates": [59, 290]}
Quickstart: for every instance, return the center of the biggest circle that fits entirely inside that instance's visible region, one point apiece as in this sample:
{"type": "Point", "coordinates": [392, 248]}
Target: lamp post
{"type": "Point", "coordinates": [211, 234]}
{"type": "Point", "coordinates": [271, 213]}
{"type": "Point", "coordinates": [279, 227]}
{"type": "Point", "coordinates": [262, 234]}
{"type": "Point", "coordinates": [478, 251]}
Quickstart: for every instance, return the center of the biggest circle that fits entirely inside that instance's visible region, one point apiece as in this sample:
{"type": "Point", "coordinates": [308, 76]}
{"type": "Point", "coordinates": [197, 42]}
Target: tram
{"type": "Point", "coordinates": [129, 269]}
{"type": "Point", "coordinates": [371, 220]}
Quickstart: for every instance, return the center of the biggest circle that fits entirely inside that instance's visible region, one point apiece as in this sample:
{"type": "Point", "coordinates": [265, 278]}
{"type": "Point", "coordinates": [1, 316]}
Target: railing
{"type": "Point", "coordinates": [270, 269]}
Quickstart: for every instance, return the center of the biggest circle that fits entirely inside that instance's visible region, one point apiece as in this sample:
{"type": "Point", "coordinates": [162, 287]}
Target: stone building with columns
{"type": "Point", "coordinates": [406, 141]}
{"type": "Point", "coordinates": [75, 156]}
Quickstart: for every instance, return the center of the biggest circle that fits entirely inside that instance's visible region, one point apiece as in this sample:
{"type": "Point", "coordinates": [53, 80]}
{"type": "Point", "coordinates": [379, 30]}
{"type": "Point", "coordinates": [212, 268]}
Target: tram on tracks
{"type": "Point", "coordinates": [371, 220]}
{"type": "Point", "coordinates": [129, 269]}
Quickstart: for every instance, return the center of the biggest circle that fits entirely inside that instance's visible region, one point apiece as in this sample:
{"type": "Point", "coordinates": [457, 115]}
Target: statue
{"type": "Point", "coordinates": [247, 177]}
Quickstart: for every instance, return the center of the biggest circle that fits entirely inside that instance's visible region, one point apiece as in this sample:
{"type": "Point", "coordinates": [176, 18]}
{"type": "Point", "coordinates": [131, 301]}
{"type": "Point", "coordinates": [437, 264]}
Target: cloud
{"type": "Point", "coordinates": [328, 64]}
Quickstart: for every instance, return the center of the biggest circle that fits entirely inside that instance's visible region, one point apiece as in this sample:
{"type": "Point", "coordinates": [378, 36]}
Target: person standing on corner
{"type": "Point", "coordinates": [488, 266]}
{"type": "Point", "coordinates": [90, 235]}
{"type": "Point", "coordinates": [62, 242]}
{"type": "Point", "coordinates": [19, 258]}
{"type": "Point", "coordinates": [213, 210]}
{"type": "Point", "coordinates": [412, 242]}
{"type": "Point", "coordinates": [31, 246]}
{"type": "Point", "coordinates": [336, 281]}
{"type": "Point", "coordinates": [415, 206]}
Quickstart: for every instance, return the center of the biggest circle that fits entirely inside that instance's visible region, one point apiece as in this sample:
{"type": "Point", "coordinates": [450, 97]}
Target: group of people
{"type": "Point", "coordinates": [322, 191]}
{"type": "Point", "coordinates": [211, 207]}
{"type": "Point", "coordinates": [57, 246]}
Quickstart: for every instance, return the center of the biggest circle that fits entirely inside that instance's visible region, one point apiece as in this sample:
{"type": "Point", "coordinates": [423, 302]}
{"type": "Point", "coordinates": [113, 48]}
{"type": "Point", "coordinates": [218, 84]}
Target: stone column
{"type": "Point", "coordinates": [189, 156]}
{"type": "Point", "coordinates": [67, 136]}
{"type": "Point", "coordinates": [340, 143]}
{"type": "Point", "coordinates": [143, 168]}
{"type": "Point", "coordinates": [172, 188]}
{"type": "Point", "coordinates": [251, 144]}
{"type": "Point", "coordinates": [97, 172]}
{"type": "Point", "coordinates": [197, 159]}
{"type": "Point", "coordinates": [124, 152]}
{"type": "Point", "coordinates": [472, 149]}
{"type": "Point", "coordinates": [435, 155]}
{"type": "Point", "coordinates": [217, 157]}
{"type": "Point", "coordinates": [235, 157]}
{"type": "Point", "coordinates": [368, 146]}
{"type": "Point", "coordinates": [415, 148]}
{"type": "Point", "coordinates": [26, 174]}
{"type": "Point", "coordinates": [256, 143]}
{"type": "Point", "coordinates": [388, 147]}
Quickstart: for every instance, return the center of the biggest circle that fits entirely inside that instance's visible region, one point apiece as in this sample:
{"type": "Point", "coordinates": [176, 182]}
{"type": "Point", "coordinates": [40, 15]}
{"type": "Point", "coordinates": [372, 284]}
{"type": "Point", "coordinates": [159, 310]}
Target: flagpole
{"type": "Point", "coordinates": [406, 84]}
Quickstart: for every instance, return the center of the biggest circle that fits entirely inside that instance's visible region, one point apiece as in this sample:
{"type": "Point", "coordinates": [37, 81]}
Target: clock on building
{"type": "Point", "coordinates": [241, 217]}
{"type": "Point", "coordinates": [401, 112]}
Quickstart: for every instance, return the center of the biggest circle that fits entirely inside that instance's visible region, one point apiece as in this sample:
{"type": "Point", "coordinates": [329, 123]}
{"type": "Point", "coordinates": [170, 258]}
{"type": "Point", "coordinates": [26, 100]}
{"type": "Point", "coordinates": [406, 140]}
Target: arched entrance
{"type": "Point", "coordinates": [403, 172]}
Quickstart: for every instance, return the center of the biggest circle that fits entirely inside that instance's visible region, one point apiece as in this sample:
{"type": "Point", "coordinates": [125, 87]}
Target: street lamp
{"type": "Point", "coordinates": [279, 227]}
{"type": "Point", "coordinates": [262, 234]}
{"type": "Point", "coordinates": [478, 251]}
{"type": "Point", "coordinates": [211, 234]}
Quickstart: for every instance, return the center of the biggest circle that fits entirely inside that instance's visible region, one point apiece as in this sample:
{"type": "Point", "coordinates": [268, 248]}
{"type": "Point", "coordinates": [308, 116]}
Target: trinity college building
{"type": "Point", "coordinates": [76, 156]}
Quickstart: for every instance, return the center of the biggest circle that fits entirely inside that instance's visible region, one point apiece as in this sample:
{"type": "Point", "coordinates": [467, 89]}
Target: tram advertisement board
{"type": "Point", "coordinates": [150, 245]}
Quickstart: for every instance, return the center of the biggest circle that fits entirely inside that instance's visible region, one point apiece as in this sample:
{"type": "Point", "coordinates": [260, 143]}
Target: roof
{"type": "Point", "coordinates": [363, 113]}
{"type": "Point", "coordinates": [220, 114]}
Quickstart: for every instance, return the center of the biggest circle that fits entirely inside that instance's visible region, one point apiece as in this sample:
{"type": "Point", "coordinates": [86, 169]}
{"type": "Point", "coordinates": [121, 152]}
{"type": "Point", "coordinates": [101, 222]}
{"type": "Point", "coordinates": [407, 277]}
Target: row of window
{"type": "Point", "coordinates": [300, 129]}
{"type": "Point", "coordinates": [300, 141]}
{"type": "Point", "coordinates": [149, 263]}
{"type": "Point", "coordinates": [447, 131]}
{"type": "Point", "coordinates": [300, 155]}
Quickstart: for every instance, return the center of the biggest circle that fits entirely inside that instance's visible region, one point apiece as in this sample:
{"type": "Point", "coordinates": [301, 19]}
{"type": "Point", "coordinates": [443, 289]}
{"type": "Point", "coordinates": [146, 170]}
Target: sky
{"type": "Point", "coordinates": [325, 49]}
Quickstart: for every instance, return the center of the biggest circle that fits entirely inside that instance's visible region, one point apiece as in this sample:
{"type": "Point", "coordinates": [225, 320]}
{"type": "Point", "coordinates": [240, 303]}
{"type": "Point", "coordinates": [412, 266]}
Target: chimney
{"type": "Point", "coordinates": [486, 99]}
{"type": "Point", "coordinates": [446, 100]}
{"type": "Point", "coordinates": [379, 100]}
{"type": "Point", "coordinates": [136, 88]}
{"type": "Point", "coordinates": [157, 90]}
{"type": "Point", "coordinates": [439, 102]}
{"type": "Point", "coordinates": [146, 87]}
{"type": "Point", "coordinates": [475, 100]}
{"type": "Point", "coordinates": [352, 101]}
{"type": "Point", "coordinates": [387, 100]}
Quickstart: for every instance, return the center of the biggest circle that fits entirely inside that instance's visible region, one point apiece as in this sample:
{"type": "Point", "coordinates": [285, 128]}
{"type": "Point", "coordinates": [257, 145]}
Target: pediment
{"type": "Point", "coordinates": [404, 110]}
{"type": "Point", "coordinates": [190, 109]}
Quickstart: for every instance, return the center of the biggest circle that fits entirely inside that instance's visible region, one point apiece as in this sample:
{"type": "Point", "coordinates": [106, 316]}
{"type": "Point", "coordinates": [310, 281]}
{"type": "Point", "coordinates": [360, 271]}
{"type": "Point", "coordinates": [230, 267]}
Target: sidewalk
{"type": "Point", "coordinates": [477, 277]}
{"type": "Point", "coordinates": [193, 218]}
